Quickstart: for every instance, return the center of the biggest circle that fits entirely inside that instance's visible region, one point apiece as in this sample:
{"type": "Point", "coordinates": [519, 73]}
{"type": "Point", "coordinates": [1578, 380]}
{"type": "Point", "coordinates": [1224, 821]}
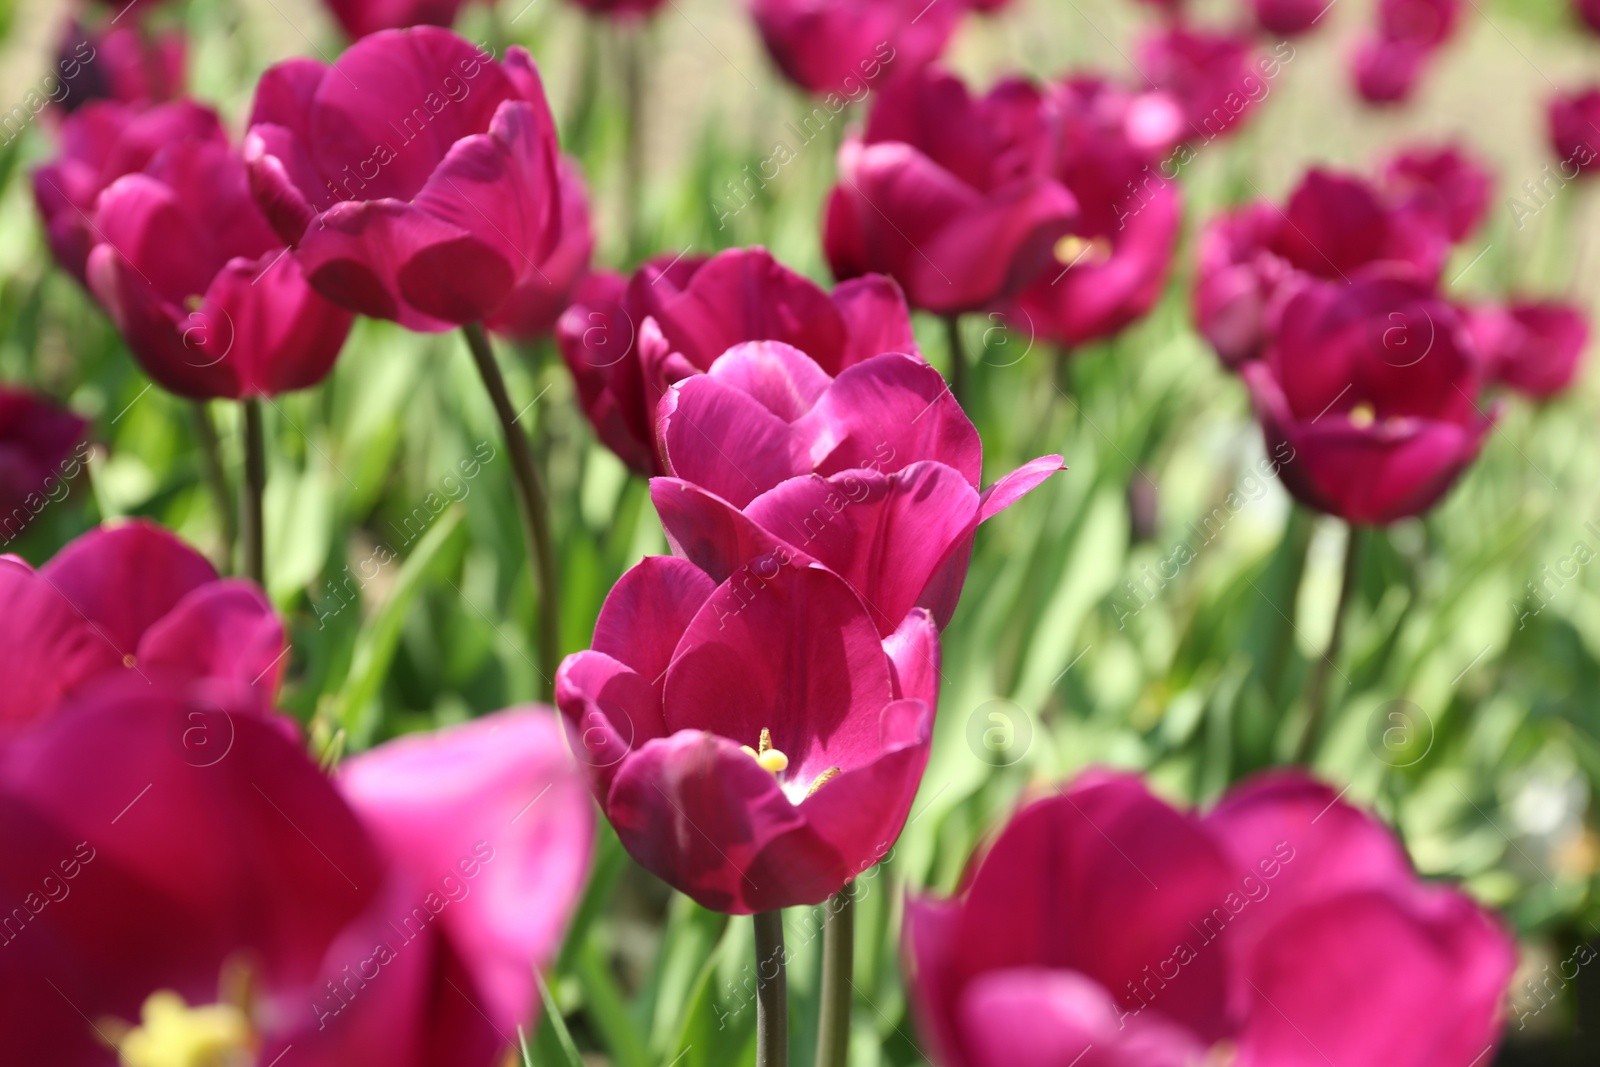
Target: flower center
{"type": "Point", "coordinates": [1363, 415]}
{"type": "Point", "coordinates": [775, 763]}
{"type": "Point", "coordinates": [1073, 250]}
{"type": "Point", "coordinates": [173, 1034]}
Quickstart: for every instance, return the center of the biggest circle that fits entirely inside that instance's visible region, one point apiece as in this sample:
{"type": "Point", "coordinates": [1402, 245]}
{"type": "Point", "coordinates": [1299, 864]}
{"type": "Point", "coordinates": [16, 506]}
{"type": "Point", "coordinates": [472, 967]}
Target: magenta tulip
{"type": "Point", "coordinates": [1589, 12]}
{"type": "Point", "coordinates": [231, 906]}
{"type": "Point", "coordinates": [1289, 18]}
{"type": "Point", "coordinates": [203, 291]}
{"type": "Point", "coordinates": [620, 9]}
{"type": "Point", "coordinates": [130, 600]}
{"type": "Point", "coordinates": [417, 179]}
{"type": "Point", "coordinates": [1443, 180]}
{"type": "Point", "coordinates": [1215, 77]}
{"type": "Point", "coordinates": [1535, 347]}
{"type": "Point", "coordinates": [1575, 131]}
{"type": "Point", "coordinates": [843, 47]}
{"type": "Point", "coordinates": [126, 63]}
{"type": "Point", "coordinates": [1386, 71]}
{"type": "Point", "coordinates": [42, 450]}
{"type": "Point", "coordinates": [1371, 387]}
{"type": "Point", "coordinates": [953, 196]}
{"type": "Point", "coordinates": [1285, 928]}
{"type": "Point", "coordinates": [361, 17]}
{"type": "Point", "coordinates": [537, 303]}
{"type": "Point", "coordinates": [1429, 23]}
{"type": "Point", "coordinates": [100, 142]}
{"type": "Point", "coordinates": [627, 341]}
{"type": "Point", "coordinates": [755, 744]}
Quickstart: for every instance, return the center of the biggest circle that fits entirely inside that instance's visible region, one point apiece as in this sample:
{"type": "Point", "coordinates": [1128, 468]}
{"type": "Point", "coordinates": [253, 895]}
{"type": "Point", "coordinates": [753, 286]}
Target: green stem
{"type": "Point", "coordinates": [535, 506]}
{"type": "Point", "coordinates": [633, 77]}
{"type": "Point", "coordinates": [838, 969]}
{"type": "Point", "coordinates": [1317, 692]}
{"type": "Point", "coordinates": [255, 488]}
{"type": "Point", "coordinates": [217, 479]}
{"type": "Point", "coordinates": [958, 361]}
{"type": "Point", "coordinates": [772, 992]}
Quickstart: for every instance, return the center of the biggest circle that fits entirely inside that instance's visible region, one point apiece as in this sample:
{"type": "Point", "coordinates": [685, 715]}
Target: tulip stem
{"type": "Point", "coordinates": [838, 971]}
{"type": "Point", "coordinates": [217, 480]}
{"type": "Point", "coordinates": [633, 148]}
{"type": "Point", "coordinates": [1317, 692]}
{"type": "Point", "coordinates": [772, 991]}
{"type": "Point", "coordinates": [535, 506]}
{"type": "Point", "coordinates": [255, 488]}
{"type": "Point", "coordinates": [958, 361]}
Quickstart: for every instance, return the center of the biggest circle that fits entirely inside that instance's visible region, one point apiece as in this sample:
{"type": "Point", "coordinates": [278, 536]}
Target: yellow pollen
{"type": "Point", "coordinates": [172, 1034]}
{"type": "Point", "coordinates": [1072, 250]}
{"type": "Point", "coordinates": [193, 302]}
{"type": "Point", "coordinates": [1362, 415]}
{"type": "Point", "coordinates": [129, 660]}
{"type": "Point", "coordinates": [768, 758]}
{"type": "Point", "coordinates": [823, 779]}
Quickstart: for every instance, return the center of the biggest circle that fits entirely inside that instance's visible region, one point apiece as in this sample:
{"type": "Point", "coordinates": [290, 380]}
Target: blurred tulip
{"type": "Point", "coordinates": [755, 744]}
{"type": "Point", "coordinates": [1575, 130]}
{"type": "Point", "coordinates": [1372, 388]}
{"type": "Point", "coordinates": [627, 341]}
{"type": "Point", "coordinates": [1103, 919]}
{"type": "Point", "coordinates": [130, 599]}
{"type": "Point", "coordinates": [100, 142]}
{"type": "Point", "coordinates": [620, 9]}
{"type": "Point", "coordinates": [844, 46]}
{"type": "Point", "coordinates": [1387, 71]}
{"type": "Point", "coordinates": [873, 473]}
{"type": "Point", "coordinates": [1428, 23]}
{"type": "Point", "coordinates": [951, 195]}
{"type": "Point", "coordinates": [1532, 346]}
{"type": "Point", "coordinates": [42, 449]}
{"type": "Point", "coordinates": [125, 63]}
{"type": "Point", "coordinates": [417, 179]}
{"type": "Point", "coordinates": [361, 17]}
{"type": "Point", "coordinates": [538, 300]}
{"type": "Point", "coordinates": [1241, 282]}
{"type": "Point", "coordinates": [227, 908]}
{"type": "Point", "coordinates": [201, 288]}
{"type": "Point", "coordinates": [1215, 77]}
{"type": "Point", "coordinates": [1589, 12]}
{"type": "Point", "coordinates": [1444, 180]}
{"type": "Point", "coordinates": [1288, 18]}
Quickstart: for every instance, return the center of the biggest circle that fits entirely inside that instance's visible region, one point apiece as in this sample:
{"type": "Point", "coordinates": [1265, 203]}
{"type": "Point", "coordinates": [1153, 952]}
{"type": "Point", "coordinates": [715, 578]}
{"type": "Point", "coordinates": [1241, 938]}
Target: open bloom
{"type": "Point", "coordinates": [416, 178]}
{"type": "Point", "coordinates": [845, 46]}
{"type": "Point", "coordinates": [1392, 57]}
{"type": "Point", "coordinates": [1284, 928]}
{"type": "Point", "coordinates": [1444, 180]}
{"type": "Point", "coordinates": [953, 196]}
{"type": "Point", "coordinates": [130, 599]}
{"type": "Point", "coordinates": [361, 17]}
{"type": "Point", "coordinates": [1533, 346]}
{"type": "Point", "coordinates": [626, 341]}
{"type": "Point", "coordinates": [756, 744]}
{"type": "Point", "coordinates": [41, 452]}
{"type": "Point", "coordinates": [226, 908]}
{"type": "Point", "coordinates": [1215, 77]}
{"type": "Point", "coordinates": [201, 288]}
{"type": "Point", "coordinates": [1372, 387]}
{"type": "Point", "coordinates": [874, 474]}
{"type": "Point", "coordinates": [1575, 130]}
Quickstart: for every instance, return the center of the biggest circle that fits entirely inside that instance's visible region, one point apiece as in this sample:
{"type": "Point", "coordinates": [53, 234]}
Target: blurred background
{"type": "Point", "coordinates": [1467, 710]}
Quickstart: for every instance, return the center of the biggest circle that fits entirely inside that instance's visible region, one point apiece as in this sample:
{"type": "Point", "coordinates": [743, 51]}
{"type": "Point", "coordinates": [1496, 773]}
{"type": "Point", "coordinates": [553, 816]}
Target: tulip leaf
{"type": "Point", "coordinates": [552, 1042]}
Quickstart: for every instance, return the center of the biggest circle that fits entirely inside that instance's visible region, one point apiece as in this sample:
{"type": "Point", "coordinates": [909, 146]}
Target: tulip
{"type": "Point", "coordinates": [1589, 12]}
{"type": "Point", "coordinates": [1428, 23]}
{"type": "Point", "coordinates": [538, 301]}
{"type": "Point", "coordinates": [201, 288]}
{"type": "Point", "coordinates": [950, 195]}
{"type": "Point", "coordinates": [416, 178]}
{"type": "Point", "coordinates": [627, 341]}
{"type": "Point", "coordinates": [755, 744]}
{"type": "Point", "coordinates": [1112, 268]}
{"type": "Point", "coordinates": [873, 474]}
{"type": "Point", "coordinates": [101, 142]}
{"type": "Point", "coordinates": [1289, 18]}
{"type": "Point", "coordinates": [1371, 388]}
{"type": "Point", "coordinates": [124, 63]}
{"type": "Point", "coordinates": [1532, 346]}
{"type": "Point", "coordinates": [130, 599]}
{"type": "Point", "coordinates": [1283, 927]}
{"type": "Point", "coordinates": [229, 909]}
{"type": "Point", "coordinates": [620, 9]}
{"type": "Point", "coordinates": [1575, 131]}
{"type": "Point", "coordinates": [361, 17]}
{"type": "Point", "coordinates": [1241, 283]}
{"type": "Point", "coordinates": [844, 46]}
{"type": "Point", "coordinates": [42, 449]}
{"type": "Point", "coordinates": [1386, 71]}
{"type": "Point", "coordinates": [1214, 76]}
{"type": "Point", "coordinates": [1445, 181]}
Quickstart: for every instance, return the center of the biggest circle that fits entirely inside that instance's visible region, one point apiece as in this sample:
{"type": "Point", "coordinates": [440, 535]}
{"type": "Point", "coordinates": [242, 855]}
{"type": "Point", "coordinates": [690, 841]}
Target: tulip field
{"type": "Point", "coordinates": [700, 533]}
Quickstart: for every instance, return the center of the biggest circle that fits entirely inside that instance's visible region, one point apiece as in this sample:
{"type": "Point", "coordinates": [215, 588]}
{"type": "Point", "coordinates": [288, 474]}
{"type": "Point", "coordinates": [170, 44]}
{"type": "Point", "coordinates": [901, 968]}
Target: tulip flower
{"type": "Point", "coordinates": [873, 474]}
{"type": "Point", "coordinates": [126, 63]}
{"type": "Point", "coordinates": [230, 909]}
{"type": "Point", "coordinates": [129, 599]}
{"type": "Point", "coordinates": [627, 341]}
{"type": "Point", "coordinates": [1215, 77]}
{"type": "Point", "coordinates": [1444, 180]}
{"type": "Point", "coordinates": [1372, 387]}
{"type": "Point", "coordinates": [950, 195]}
{"type": "Point", "coordinates": [199, 285]}
{"type": "Point", "coordinates": [1289, 18]}
{"type": "Point", "coordinates": [42, 449]}
{"type": "Point", "coordinates": [416, 178]}
{"type": "Point", "coordinates": [1575, 131]}
{"type": "Point", "coordinates": [100, 142]}
{"type": "Point", "coordinates": [361, 17]}
{"type": "Point", "coordinates": [1534, 347]}
{"type": "Point", "coordinates": [620, 9]}
{"type": "Point", "coordinates": [1589, 12]}
{"type": "Point", "coordinates": [755, 744]}
{"type": "Point", "coordinates": [1429, 23]}
{"type": "Point", "coordinates": [1112, 268]}
{"type": "Point", "coordinates": [1283, 927]}
{"type": "Point", "coordinates": [843, 47]}
{"type": "Point", "coordinates": [1386, 71]}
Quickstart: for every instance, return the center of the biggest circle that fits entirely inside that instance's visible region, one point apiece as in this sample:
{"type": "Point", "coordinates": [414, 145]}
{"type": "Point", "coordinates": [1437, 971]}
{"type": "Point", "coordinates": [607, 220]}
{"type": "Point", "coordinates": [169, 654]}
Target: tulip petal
{"type": "Point", "coordinates": [876, 320]}
{"type": "Point", "coordinates": [48, 649]}
{"type": "Point", "coordinates": [725, 441]}
{"type": "Point", "coordinates": [225, 629]}
{"type": "Point", "coordinates": [708, 531]}
{"type": "Point", "coordinates": [914, 656]}
{"type": "Point", "coordinates": [610, 710]}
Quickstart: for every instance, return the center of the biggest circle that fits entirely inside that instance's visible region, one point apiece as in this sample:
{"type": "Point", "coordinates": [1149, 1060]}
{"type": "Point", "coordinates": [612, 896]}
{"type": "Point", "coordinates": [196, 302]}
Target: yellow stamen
{"type": "Point", "coordinates": [172, 1034]}
{"type": "Point", "coordinates": [193, 302]}
{"type": "Point", "coordinates": [129, 660]}
{"type": "Point", "coordinates": [1072, 250]}
{"type": "Point", "coordinates": [766, 740]}
{"type": "Point", "coordinates": [823, 779]}
{"type": "Point", "coordinates": [770, 759]}
{"type": "Point", "coordinates": [1363, 415]}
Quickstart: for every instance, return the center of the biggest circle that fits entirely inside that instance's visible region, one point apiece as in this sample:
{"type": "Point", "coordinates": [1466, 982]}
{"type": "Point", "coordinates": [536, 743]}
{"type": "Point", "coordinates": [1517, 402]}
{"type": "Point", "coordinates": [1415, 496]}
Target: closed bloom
{"type": "Point", "coordinates": [756, 743]}
{"type": "Point", "coordinates": [40, 454]}
{"type": "Point", "coordinates": [203, 291]}
{"type": "Point", "coordinates": [1289, 17]}
{"type": "Point", "coordinates": [626, 341]}
{"type": "Point", "coordinates": [873, 474]}
{"type": "Point", "coordinates": [126, 63]}
{"type": "Point", "coordinates": [223, 905]}
{"type": "Point", "coordinates": [1589, 12]}
{"type": "Point", "coordinates": [843, 46]}
{"type": "Point", "coordinates": [1284, 928]}
{"type": "Point", "coordinates": [1533, 346]}
{"type": "Point", "coordinates": [620, 9]}
{"type": "Point", "coordinates": [1575, 131]}
{"type": "Point", "coordinates": [1215, 77]}
{"type": "Point", "coordinates": [1444, 180]}
{"type": "Point", "coordinates": [361, 17]}
{"type": "Point", "coordinates": [1372, 388]}
{"type": "Point", "coordinates": [953, 196]}
{"type": "Point", "coordinates": [1386, 71]}
{"type": "Point", "coordinates": [417, 179]}
{"type": "Point", "coordinates": [134, 600]}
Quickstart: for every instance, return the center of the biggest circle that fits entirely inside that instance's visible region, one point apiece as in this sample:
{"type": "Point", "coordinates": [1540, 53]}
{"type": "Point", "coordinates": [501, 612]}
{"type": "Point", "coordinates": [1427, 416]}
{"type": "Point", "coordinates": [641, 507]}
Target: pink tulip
{"type": "Point", "coordinates": [1575, 131]}
{"type": "Point", "coordinates": [1371, 387]}
{"type": "Point", "coordinates": [537, 303]}
{"type": "Point", "coordinates": [417, 179]}
{"type": "Point", "coordinates": [130, 600]}
{"type": "Point", "coordinates": [42, 450]}
{"type": "Point", "coordinates": [627, 341]}
{"type": "Point", "coordinates": [755, 744]}
{"type": "Point", "coordinates": [844, 47]}
{"type": "Point", "coordinates": [126, 63]}
{"type": "Point", "coordinates": [1215, 77]}
{"type": "Point", "coordinates": [1289, 18]}
{"type": "Point", "coordinates": [1445, 181]}
{"type": "Point", "coordinates": [1387, 71]}
{"type": "Point", "coordinates": [361, 17]}
{"type": "Point", "coordinates": [950, 195]}
{"type": "Point", "coordinates": [1535, 347]}
{"type": "Point", "coordinates": [201, 288]}
{"type": "Point", "coordinates": [394, 914]}
{"type": "Point", "coordinates": [1284, 928]}
{"type": "Point", "coordinates": [620, 9]}
{"type": "Point", "coordinates": [1589, 12]}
